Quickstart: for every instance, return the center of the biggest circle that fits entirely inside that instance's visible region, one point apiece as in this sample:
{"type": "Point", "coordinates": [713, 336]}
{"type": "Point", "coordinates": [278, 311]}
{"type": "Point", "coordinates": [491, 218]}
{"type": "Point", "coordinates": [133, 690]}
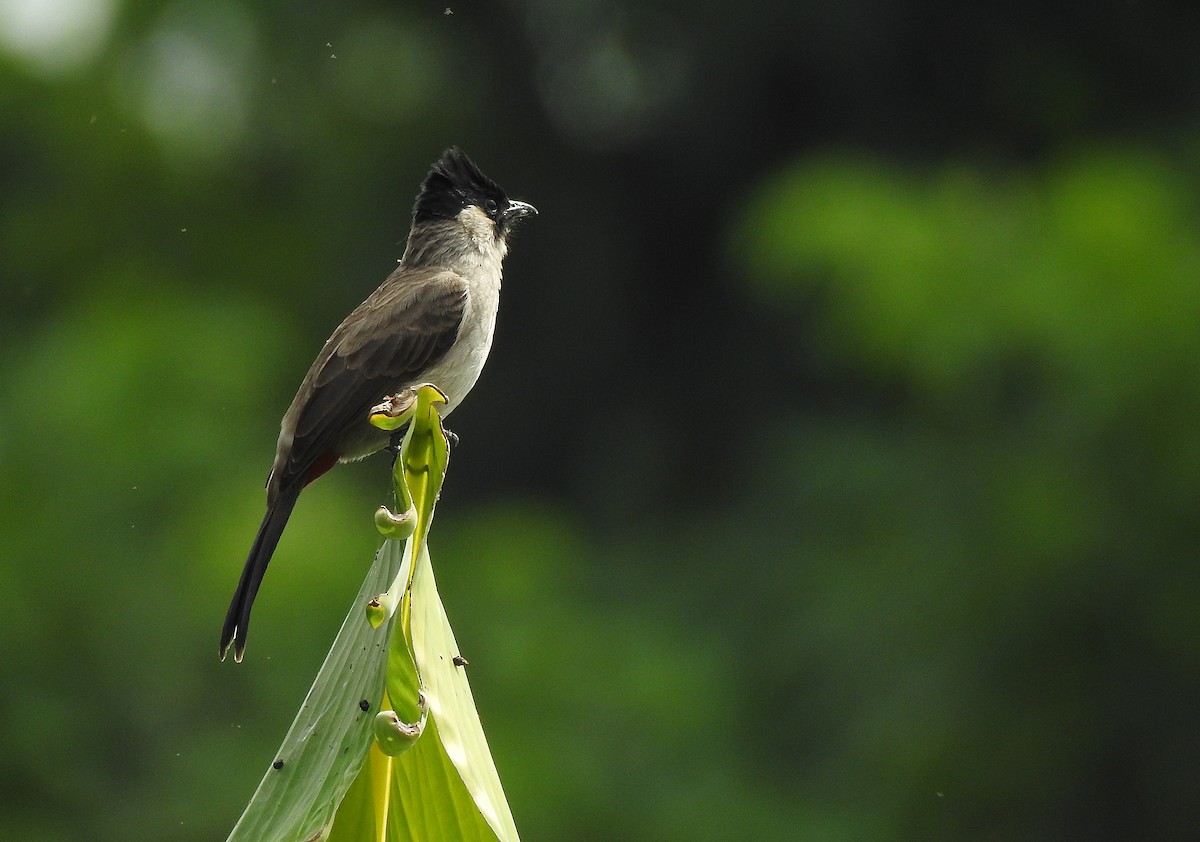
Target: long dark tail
{"type": "Point", "coordinates": [238, 617]}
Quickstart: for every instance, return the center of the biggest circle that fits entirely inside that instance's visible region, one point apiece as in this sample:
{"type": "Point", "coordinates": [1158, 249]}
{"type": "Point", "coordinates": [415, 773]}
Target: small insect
{"type": "Point", "coordinates": [364, 705]}
{"type": "Point", "coordinates": [277, 765]}
{"type": "Point", "coordinates": [460, 661]}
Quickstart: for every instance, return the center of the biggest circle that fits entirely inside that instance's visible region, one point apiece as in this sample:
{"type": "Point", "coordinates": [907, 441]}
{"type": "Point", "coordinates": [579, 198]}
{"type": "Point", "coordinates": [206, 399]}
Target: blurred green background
{"type": "Point", "coordinates": [834, 476]}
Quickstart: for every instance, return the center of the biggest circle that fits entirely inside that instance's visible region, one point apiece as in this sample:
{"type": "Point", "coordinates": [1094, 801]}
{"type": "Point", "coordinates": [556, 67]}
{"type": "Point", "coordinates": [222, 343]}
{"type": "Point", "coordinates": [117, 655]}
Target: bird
{"type": "Point", "coordinates": [430, 321]}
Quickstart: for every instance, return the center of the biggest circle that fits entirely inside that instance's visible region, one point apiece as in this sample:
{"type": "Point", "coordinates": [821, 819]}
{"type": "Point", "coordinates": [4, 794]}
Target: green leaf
{"type": "Point", "coordinates": [424, 457]}
{"type": "Point", "coordinates": [458, 731]}
{"type": "Point", "coordinates": [362, 810]}
{"type": "Point", "coordinates": [446, 786]}
{"type": "Point", "coordinates": [430, 801]}
{"type": "Point", "coordinates": [324, 749]}
{"type": "Point", "coordinates": [443, 784]}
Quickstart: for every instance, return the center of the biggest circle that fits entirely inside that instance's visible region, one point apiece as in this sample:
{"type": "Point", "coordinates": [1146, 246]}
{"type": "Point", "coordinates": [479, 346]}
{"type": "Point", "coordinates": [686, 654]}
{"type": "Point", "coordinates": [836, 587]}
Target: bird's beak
{"type": "Point", "coordinates": [516, 210]}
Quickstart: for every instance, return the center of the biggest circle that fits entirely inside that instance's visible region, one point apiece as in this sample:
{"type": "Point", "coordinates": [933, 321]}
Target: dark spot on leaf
{"type": "Point", "coordinates": [277, 765]}
{"type": "Point", "coordinates": [364, 705]}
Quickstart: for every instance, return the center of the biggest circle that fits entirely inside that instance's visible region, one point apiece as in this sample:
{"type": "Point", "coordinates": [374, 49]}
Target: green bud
{"type": "Point", "coordinates": [395, 527]}
{"type": "Point", "coordinates": [396, 736]}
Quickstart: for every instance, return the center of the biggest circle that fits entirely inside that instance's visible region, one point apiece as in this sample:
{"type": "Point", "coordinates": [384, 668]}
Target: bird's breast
{"type": "Point", "coordinates": [457, 372]}
{"type": "Point", "coordinates": [458, 369]}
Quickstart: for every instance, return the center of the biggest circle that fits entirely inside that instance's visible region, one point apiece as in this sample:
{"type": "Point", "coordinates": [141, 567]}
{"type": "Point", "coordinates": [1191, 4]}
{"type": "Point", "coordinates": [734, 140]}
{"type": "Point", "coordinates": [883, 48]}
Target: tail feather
{"type": "Point", "coordinates": [237, 619]}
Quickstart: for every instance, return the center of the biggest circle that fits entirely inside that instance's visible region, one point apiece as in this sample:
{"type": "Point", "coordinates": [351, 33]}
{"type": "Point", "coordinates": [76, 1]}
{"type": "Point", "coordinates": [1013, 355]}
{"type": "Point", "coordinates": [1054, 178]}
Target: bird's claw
{"type": "Point", "coordinates": [395, 405]}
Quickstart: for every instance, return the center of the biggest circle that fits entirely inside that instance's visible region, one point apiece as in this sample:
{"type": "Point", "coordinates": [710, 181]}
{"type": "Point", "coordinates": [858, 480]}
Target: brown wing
{"type": "Point", "coordinates": [404, 327]}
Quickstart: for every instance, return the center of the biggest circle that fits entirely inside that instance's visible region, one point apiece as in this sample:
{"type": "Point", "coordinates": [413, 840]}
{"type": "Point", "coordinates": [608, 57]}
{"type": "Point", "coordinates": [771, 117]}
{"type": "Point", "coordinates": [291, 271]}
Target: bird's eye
{"type": "Point", "coordinates": [491, 207]}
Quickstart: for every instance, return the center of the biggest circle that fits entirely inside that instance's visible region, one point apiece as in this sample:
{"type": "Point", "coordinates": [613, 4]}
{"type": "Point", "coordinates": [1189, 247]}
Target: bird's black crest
{"type": "Point", "coordinates": [454, 183]}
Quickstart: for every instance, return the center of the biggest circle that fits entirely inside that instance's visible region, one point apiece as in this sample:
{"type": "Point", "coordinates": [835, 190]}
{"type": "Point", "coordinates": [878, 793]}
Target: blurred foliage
{"type": "Point", "coordinates": [867, 336]}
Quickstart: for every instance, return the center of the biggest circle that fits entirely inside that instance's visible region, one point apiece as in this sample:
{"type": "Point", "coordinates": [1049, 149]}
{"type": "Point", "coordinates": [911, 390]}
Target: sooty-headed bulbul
{"type": "Point", "coordinates": [431, 321]}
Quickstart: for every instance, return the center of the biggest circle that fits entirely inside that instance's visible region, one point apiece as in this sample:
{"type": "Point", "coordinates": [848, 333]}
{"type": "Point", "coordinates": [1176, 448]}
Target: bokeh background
{"type": "Point", "coordinates": [834, 476]}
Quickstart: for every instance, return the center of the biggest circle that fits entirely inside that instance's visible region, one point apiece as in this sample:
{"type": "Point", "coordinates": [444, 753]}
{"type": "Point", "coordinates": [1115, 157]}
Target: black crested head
{"type": "Point", "coordinates": [454, 183]}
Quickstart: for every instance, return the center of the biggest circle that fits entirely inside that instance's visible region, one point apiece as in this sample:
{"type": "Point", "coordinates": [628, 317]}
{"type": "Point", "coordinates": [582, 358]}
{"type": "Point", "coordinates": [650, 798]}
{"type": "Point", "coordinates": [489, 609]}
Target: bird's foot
{"type": "Point", "coordinates": [393, 406]}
